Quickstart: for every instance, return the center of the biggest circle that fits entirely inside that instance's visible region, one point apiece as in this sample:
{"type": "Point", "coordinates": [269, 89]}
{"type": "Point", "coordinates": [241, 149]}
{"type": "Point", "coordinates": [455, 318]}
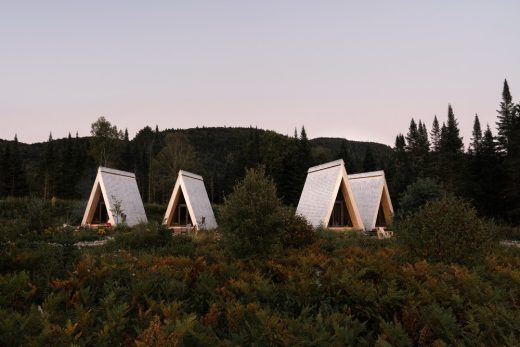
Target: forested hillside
{"type": "Point", "coordinates": [65, 168]}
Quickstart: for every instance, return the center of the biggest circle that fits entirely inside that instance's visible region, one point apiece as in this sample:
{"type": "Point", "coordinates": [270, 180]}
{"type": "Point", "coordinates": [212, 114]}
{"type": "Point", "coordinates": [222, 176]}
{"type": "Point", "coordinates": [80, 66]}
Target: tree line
{"type": "Point", "coordinates": [65, 168]}
{"type": "Point", "coordinates": [487, 173]}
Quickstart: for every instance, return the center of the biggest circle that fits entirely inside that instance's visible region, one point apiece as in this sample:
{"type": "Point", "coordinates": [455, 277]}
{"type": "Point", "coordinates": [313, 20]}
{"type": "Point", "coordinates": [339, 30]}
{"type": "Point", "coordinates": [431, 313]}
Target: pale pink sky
{"type": "Point", "coordinates": [354, 69]}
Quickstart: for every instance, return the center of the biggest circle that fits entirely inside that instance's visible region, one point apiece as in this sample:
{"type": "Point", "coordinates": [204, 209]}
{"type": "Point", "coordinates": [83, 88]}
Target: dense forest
{"type": "Point", "coordinates": [486, 173]}
{"type": "Point", "coordinates": [65, 168]}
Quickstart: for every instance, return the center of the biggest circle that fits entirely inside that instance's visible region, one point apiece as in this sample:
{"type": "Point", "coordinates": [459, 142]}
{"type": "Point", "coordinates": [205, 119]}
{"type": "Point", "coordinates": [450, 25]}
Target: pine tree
{"type": "Point", "coordinates": [451, 141]}
{"type": "Point", "coordinates": [476, 140]}
{"type": "Point", "coordinates": [505, 120]}
{"type": "Point", "coordinates": [304, 150]}
{"type": "Point", "coordinates": [412, 138]}
{"type": "Point", "coordinates": [435, 135]}
{"type": "Point", "coordinates": [451, 159]}
{"type": "Point", "coordinates": [487, 177]}
{"type": "Point", "coordinates": [488, 145]}
{"type": "Point", "coordinates": [127, 157]}
{"type": "Point", "coordinates": [423, 144]}
{"type": "Point", "coordinates": [417, 148]}
{"type": "Point", "coordinates": [400, 177]}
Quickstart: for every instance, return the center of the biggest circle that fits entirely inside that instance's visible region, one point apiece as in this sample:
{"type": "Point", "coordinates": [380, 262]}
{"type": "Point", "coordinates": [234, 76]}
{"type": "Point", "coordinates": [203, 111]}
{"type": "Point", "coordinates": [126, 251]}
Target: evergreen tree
{"type": "Point", "coordinates": [412, 138]}
{"type": "Point", "coordinates": [127, 155]}
{"type": "Point", "coordinates": [304, 156]}
{"type": "Point", "coordinates": [401, 177]}
{"type": "Point", "coordinates": [417, 148]}
{"type": "Point", "coordinates": [505, 120]}
{"type": "Point", "coordinates": [476, 139]}
{"type": "Point", "coordinates": [369, 162]}
{"type": "Point", "coordinates": [451, 159]}
{"type": "Point", "coordinates": [451, 141]}
{"type": "Point", "coordinates": [423, 144]}
{"type": "Point", "coordinates": [435, 135]}
{"type": "Point", "coordinates": [487, 177]}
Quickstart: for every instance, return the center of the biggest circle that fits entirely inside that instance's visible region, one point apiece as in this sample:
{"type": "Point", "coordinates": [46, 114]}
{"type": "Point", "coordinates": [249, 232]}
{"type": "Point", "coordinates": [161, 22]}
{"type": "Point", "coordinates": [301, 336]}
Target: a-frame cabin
{"type": "Point", "coordinates": [189, 205]}
{"type": "Point", "coordinates": [327, 199]}
{"type": "Point", "coordinates": [112, 188]}
{"type": "Point", "coordinates": [373, 199]}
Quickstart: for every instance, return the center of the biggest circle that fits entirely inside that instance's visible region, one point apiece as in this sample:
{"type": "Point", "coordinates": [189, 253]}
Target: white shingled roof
{"type": "Point", "coordinates": [115, 185]}
{"type": "Point", "coordinates": [197, 200]}
{"type": "Point", "coordinates": [370, 191]}
{"type": "Point", "coordinates": [320, 191]}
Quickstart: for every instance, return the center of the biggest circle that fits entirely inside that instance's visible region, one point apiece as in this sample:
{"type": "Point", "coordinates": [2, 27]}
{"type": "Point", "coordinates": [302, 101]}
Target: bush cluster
{"type": "Point", "coordinates": [446, 230]}
{"type": "Point", "coordinates": [418, 194]}
{"type": "Point", "coordinates": [251, 218]}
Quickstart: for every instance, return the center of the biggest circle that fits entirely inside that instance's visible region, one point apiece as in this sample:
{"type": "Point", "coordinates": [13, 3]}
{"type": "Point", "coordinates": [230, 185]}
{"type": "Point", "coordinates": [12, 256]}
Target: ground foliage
{"type": "Point", "coordinates": [146, 288]}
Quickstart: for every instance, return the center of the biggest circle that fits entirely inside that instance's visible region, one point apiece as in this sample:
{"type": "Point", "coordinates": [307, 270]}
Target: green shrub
{"type": "Point", "coordinates": [298, 232]}
{"type": "Point", "coordinates": [446, 230]}
{"type": "Point", "coordinates": [38, 214]}
{"type": "Point", "coordinates": [418, 194]}
{"type": "Point", "coordinates": [251, 218]}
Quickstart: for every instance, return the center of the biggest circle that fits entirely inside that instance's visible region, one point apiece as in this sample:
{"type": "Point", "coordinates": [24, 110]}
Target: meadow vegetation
{"type": "Point", "coordinates": [147, 287]}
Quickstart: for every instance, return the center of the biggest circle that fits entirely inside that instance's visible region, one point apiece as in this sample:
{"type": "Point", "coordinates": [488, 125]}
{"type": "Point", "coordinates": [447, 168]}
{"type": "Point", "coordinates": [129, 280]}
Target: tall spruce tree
{"type": "Point", "coordinates": [423, 144]}
{"type": "Point", "coordinates": [476, 139]}
{"type": "Point", "coordinates": [412, 138]}
{"type": "Point", "coordinates": [435, 135]}
{"type": "Point", "coordinates": [451, 141]}
{"type": "Point", "coordinates": [488, 177]}
{"type": "Point", "coordinates": [127, 156]}
{"type": "Point", "coordinates": [451, 169]}
{"type": "Point", "coordinates": [401, 176]}
{"type": "Point", "coordinates": [505, 120]}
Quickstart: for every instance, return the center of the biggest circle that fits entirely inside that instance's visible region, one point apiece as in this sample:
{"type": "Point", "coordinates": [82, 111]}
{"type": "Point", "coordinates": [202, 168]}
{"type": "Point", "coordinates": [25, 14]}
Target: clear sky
{"type": "Point", "coordinates": [354, 69]}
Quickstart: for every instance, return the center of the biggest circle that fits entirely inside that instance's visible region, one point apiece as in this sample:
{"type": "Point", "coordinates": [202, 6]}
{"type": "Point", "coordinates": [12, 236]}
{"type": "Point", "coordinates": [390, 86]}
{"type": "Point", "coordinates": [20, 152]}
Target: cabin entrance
{"type": "Point", "coordinates": [100, 214]}
{"type": "Point", "coordinates": [381, 220]}
{"type": "Point", "coordinates": [340, 217]}
{"type": "Point", "coordinates": [181, 215]}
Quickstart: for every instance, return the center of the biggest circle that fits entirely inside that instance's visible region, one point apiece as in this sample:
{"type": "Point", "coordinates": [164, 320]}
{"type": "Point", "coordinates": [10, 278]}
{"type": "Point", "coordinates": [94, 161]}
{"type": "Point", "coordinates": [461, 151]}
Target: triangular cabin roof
{"type": "Point", "coordinates": [320, 191]}
{"type": "Point", "coordinates": [115, 185]}
{"type": "Point", "coordinates": [197, 201]}
{"type": "Point", "coordinates": [371, 191]}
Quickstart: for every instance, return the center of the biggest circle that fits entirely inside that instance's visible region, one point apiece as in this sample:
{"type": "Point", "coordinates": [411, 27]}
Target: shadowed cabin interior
{"type": "Point", "coordinates": [181, 215]}
{"type": "Point", "coordinates": [381, 219]}
{"type": "Point", "coordinates": [100, 214]}
{"type": "Point", "coordinates": [340, 217]}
